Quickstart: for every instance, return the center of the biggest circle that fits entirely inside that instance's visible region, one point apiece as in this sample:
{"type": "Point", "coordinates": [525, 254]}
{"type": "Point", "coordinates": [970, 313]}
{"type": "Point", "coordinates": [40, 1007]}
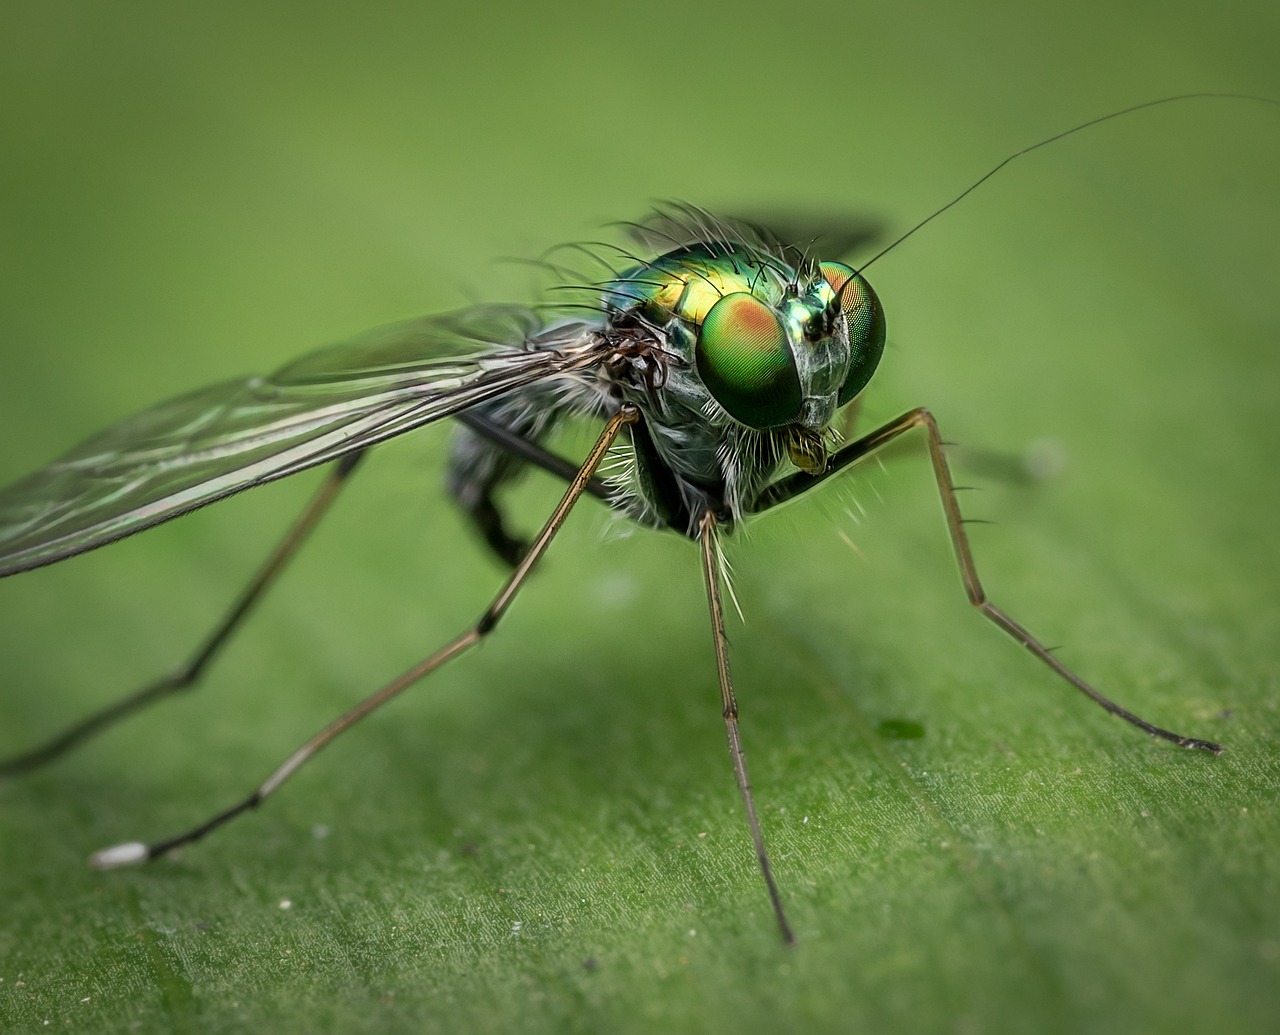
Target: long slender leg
{"type": "Point", "coordinates": [711, 574]}
{"type": "Point", "coordinates": [187, 676]}
{"type": "Point", "coordinates": [133, 852]}
{"type": "Point", "coordinates": [519, 446]}
{"type": "Point", "coordinates": [478, 471]}
{"type": "Point", "coordinates": [790, 487]}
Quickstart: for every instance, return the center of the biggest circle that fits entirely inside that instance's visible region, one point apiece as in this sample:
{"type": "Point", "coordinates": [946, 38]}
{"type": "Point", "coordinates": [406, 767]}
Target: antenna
{"type": "Point", "coordinates": [1051, 140]}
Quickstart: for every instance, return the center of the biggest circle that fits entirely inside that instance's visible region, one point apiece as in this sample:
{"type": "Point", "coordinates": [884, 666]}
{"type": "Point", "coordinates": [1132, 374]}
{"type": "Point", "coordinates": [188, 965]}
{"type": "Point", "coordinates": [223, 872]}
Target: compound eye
{"type": "Point", "coordinates": [744, 358]}
{"type": "Point", "coordinates": [865, 318]}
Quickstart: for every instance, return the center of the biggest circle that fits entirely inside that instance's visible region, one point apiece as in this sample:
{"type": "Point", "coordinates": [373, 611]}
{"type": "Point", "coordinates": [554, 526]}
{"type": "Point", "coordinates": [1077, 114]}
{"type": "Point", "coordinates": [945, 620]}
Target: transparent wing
{"type": "Point", "coordinates": [201, 447]}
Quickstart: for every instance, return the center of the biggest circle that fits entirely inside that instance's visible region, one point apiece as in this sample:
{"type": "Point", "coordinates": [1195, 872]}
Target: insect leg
{"type": "Point", "coordinates": [477, 470]}
{"type": "Point", "coordinates": [711, 574]}
{"type": "Point", "coordinates": [790, 487]}
{"type": "Point", "coordinates": [187, 676]}
{"type": "Point", "coordinates": [134, 852]}
{"type": "Point", "coordinates": [526, 449]}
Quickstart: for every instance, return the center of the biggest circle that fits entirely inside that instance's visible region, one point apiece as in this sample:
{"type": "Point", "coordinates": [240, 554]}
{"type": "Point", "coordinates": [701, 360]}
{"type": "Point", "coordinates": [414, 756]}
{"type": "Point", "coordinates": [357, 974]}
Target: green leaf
{"type": "Point", "coordinates": [547, 836]}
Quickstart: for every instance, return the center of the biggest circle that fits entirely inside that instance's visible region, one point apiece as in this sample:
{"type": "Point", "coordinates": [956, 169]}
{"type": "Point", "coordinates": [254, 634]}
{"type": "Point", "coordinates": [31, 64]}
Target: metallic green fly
{"type": "Point", "coordinates": [717, 367]}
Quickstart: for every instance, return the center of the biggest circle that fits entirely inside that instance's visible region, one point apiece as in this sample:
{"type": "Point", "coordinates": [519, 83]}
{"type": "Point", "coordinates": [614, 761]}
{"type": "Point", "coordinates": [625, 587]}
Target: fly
{"type": "Point", "coordinates": [717, 366]}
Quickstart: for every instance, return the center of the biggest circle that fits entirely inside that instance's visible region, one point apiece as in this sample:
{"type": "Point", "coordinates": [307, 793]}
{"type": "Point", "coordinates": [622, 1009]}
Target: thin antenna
{"type": "Point", "coordinates": [1050, 140]}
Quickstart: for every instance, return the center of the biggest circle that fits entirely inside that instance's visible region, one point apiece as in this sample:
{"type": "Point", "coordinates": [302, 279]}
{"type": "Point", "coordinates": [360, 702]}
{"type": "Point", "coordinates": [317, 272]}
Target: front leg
{"type": "Point", "coordinates": [854, 452]}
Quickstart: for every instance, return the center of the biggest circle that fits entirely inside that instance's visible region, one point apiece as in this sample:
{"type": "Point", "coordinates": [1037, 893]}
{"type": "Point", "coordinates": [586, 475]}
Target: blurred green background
{"type": "Point", "coordinates": [547, 837]}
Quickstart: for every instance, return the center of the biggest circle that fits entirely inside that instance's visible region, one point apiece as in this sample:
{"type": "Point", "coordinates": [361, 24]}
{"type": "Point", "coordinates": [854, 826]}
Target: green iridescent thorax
{"type": "Point", "coordinates": [685, 284]}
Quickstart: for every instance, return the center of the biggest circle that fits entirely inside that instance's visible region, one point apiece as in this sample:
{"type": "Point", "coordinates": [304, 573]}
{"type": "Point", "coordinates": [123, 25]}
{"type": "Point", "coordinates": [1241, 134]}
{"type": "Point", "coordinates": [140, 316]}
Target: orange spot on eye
{"type": "Point", "coordinates": [837, 275]}
{"type": "Point", "coordinates": [756, 320]}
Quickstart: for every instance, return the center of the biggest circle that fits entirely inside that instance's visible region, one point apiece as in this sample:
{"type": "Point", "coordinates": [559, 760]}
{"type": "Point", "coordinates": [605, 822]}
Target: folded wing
{"type": "Point", "coordinates": [193, 450]}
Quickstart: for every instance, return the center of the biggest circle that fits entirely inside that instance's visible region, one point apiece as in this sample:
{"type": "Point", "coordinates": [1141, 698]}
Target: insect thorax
{"type": "Point", "coordinates": [737, 361]}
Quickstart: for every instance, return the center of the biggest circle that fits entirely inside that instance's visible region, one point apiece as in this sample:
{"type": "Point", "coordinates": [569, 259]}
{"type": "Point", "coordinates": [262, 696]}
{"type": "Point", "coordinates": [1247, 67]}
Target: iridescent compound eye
{"type": "Point", "coordinates": [744, 359]}
{"type": "Point", "coordinates": [865, 317]}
